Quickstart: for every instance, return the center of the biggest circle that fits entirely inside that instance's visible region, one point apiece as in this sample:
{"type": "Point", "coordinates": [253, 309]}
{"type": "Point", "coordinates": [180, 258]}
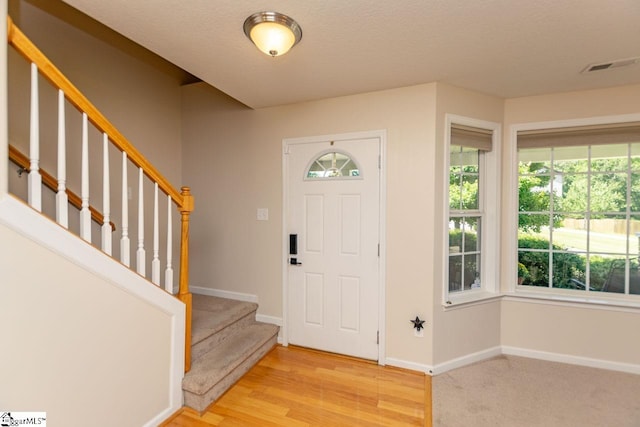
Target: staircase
{"type": "Point", "coordinates": [226, 342]}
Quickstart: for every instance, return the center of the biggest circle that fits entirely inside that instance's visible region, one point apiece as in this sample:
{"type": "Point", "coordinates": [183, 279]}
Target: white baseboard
{"type": "Point", "coordinates": [404, 364]}
{"type": "Point", "coordinates": [269, 319]}
{"type": "Point", "coordinates": [466, 360]}
{"type": "Point", "coordinates": [272, 320]}
{"type": "Point", "coordinates": [573, 360]}
{"type": "Point", "coordinates": [220, 293]}
{"type": "Point", "coordinates": [160, 417]}
{"type": "Point", "coordinates": [533, 354]}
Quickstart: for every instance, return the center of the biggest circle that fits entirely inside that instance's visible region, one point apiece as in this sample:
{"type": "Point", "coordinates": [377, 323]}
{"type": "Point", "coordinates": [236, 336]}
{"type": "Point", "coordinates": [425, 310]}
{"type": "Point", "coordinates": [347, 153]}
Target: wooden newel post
{"type": "Point", "coordinates": [183, 294]}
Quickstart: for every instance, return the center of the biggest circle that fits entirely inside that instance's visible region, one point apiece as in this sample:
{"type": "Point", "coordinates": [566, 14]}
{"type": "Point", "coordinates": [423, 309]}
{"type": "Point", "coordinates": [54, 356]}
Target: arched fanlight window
{"type": "Point", "coordinates": [333, 164]}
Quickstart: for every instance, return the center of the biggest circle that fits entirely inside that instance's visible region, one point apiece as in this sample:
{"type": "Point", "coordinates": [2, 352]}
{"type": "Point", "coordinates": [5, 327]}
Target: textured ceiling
{"type": "Point", "coordinates": [507, 48]}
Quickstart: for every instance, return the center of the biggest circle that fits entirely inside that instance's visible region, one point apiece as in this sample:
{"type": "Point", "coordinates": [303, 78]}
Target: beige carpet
{"type": "Point", "coordinates": [516, 391]}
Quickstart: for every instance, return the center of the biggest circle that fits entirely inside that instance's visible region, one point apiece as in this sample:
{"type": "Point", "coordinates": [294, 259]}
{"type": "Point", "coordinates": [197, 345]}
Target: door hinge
{"type": "Point", "coordinates": [378, 250]}
{"type": "Point", "coordinates": [378, 337]}
{"type": "Point", "coordinates": [379, 161]}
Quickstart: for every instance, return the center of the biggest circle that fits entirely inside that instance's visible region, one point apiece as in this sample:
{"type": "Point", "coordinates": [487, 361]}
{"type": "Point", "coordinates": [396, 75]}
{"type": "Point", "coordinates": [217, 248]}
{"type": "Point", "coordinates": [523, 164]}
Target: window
{"type": "Point", "coordinates": [579, 209]}
{"type": "Point", "coordinates": [333, 165]}
{"type": "Point", "coordinates": [465, 218]}
{"type": "Point", "coordinates": [472, 210]}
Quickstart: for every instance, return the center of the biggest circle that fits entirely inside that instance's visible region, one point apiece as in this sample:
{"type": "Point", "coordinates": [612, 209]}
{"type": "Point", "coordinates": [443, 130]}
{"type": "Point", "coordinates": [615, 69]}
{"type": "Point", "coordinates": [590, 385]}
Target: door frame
{"type": "Point", "coordinates": [381, 135]}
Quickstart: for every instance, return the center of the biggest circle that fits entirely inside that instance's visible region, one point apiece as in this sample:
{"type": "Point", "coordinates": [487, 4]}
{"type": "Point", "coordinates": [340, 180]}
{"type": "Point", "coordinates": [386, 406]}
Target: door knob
{"type": "Point", "coordinates": [294, 261]}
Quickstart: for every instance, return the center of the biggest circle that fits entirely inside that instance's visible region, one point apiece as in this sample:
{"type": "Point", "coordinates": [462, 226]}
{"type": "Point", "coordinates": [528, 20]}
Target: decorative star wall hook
{"type": "Point", "coordinates": [417, 323]}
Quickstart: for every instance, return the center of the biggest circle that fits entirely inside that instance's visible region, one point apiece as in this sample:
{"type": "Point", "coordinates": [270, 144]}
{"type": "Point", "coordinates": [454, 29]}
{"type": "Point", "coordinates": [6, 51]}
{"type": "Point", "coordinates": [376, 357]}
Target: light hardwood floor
{"type": "Point", "coordinates": [298, 387]}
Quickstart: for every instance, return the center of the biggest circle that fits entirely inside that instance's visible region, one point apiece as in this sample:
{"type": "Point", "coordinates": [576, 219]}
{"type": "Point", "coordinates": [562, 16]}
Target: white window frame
{"type": "Point", "coordinates": [559, 295]}
{"type": "Point", "coordinates": [489, 204]}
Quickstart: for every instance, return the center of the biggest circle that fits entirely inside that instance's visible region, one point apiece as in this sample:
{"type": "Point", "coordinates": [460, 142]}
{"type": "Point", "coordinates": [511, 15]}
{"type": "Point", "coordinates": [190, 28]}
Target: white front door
{"type": "Point", "coordinates": [334, 212]}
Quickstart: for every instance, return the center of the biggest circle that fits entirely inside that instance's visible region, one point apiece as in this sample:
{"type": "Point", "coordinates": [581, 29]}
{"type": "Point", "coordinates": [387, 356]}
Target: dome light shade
{"type": "Point", "coordinates": [272, 32]}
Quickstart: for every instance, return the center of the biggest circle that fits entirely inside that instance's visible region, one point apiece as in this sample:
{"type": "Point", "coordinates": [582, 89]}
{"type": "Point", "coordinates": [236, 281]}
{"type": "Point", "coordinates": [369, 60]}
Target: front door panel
{"type": "Point", "coordinates": [334, 292]}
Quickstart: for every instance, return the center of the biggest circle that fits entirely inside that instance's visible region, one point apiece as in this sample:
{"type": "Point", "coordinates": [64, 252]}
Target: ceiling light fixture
{"type": "Point", "coordinates": [272, 32]}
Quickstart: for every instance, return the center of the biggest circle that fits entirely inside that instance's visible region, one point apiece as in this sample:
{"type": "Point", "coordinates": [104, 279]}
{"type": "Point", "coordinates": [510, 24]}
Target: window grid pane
{"type": "Point", "coordinates": [333, 165]}
{"type": "Point", "coordinates": [464, 178]}
{"type": "Point", "coordinates": [464, 253]}
{"type": "Point", "coordinates": [578, 218]}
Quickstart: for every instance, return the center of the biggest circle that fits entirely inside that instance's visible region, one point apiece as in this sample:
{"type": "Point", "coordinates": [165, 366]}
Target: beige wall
{"type": "Point", "coordinates": [578, 331]}
{"type": "Point", "coordinates": [575, 329]}
{"type": "Point", "coordinates": [573, 105]}
{"type": "Point", "coordinates": [233, 160]}
{"type": "Point", "coordinates": [464, 330]}
{"type": "Point", "coordinates": [76, 346]}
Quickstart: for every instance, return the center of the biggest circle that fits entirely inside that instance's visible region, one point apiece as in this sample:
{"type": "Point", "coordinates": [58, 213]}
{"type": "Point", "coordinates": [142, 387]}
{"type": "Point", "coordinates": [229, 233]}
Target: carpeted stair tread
{"type": "Point", "coordinates": [213, 314]}
{"type": "Point", "coordinates": [226, 342]}
{"type": "Point", "coordinates": [215, 365]}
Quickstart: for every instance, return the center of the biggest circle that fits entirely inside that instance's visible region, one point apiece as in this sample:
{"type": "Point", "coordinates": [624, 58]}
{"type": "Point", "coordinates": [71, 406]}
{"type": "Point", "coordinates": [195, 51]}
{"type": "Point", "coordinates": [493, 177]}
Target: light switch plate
{"type": "Point", "coordinates": [263, 214]}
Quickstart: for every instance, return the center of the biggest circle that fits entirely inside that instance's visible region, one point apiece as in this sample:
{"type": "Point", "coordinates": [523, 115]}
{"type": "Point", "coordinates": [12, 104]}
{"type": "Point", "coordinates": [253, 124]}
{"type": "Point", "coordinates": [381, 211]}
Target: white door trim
{"type": "Point", "coordinates": [382, 136]}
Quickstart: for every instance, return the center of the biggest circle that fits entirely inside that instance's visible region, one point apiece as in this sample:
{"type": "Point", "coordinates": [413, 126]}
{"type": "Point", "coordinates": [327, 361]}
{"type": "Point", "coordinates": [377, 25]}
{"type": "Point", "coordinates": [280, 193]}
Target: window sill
{"type": "Point", "coordinates": [470, 299]}
{"type": "Point", "coordinates": [601, 302]}
{"type": "Point", "coordinates": [593, 301]}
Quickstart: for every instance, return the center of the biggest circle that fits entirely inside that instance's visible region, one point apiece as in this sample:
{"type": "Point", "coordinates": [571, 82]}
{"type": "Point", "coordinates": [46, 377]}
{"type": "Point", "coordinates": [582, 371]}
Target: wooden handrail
{"type": "Point", "coordinates": [51, 182]}
{"type": "Point", "coordinates": [184, 200]}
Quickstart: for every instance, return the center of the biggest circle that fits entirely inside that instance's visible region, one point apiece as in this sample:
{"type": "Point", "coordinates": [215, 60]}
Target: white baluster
{"type": "Point", "coordinates": [106, 197]}
{"type": "Point", "coordinates": [85, 213]}
{"type": "Point", "coordinates": [125, 247]}
{"type": "Point", "coordinates": [140, 253]}
{"type": "Point", "coordinates": [155, 262]}
{"type": "Point", "coordinates": [168, 272]}
{"type": "Point", "coordinates": [35, 179]}
{"type": "Point", "coordinates": [62, 201]}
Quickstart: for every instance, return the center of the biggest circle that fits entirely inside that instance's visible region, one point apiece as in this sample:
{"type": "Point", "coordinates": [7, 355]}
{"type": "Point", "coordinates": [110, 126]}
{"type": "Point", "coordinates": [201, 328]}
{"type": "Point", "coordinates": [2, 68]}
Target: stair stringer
{"type": "Point", "coordinates": [19, 217]}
